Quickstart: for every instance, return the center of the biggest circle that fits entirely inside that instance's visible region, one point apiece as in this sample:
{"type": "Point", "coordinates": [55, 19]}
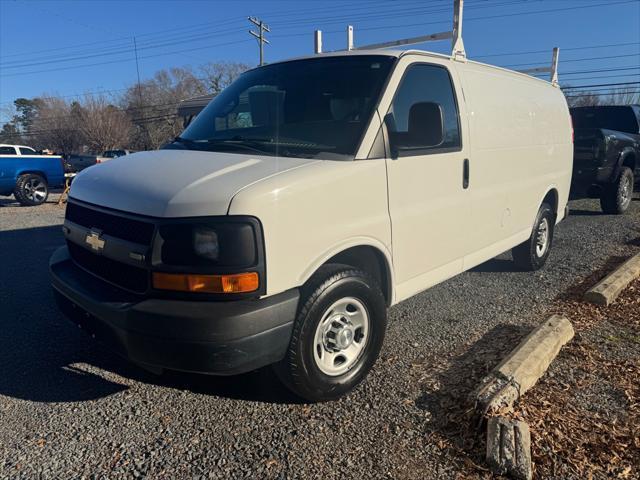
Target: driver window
{"type": "Point", "coordinates": [421, 84]}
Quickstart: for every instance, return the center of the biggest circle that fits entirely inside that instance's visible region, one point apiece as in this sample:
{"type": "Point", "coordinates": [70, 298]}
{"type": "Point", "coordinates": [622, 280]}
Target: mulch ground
{"type": "Point", "coordinates": [584, 414]}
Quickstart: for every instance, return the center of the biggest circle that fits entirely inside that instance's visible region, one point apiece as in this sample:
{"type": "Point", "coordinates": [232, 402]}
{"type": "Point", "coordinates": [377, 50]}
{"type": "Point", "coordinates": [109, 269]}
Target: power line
{"type": "Point", "coordinates": [602, 85]}
{"type": "Point", "coordinates": [441, 22]}
{"type": "Point", "coordinates": [615, 75]}
{"type": "Point", "coordinates": [564, 49]}
{"type": "Point", "coordinates": [130, 110]}
{"type": "Point", "coordinates": [235, 42]}
{"type": "Point", "coordinates": [598, 90]}
{"type": "Point", "coordinates": [203, 25]}
{"type": "Point", "coordinates": [595, 71]}
{"type": "Point", "coordinates": [125, 48]}
{"type": "Point", "coordinates": [603, 94]}
{"type": "Point", "coordinates": [482, 56]}
{"type": "Point", "coordinates": [122, 44]}
{"type": "Point", "coordinates": [119, 50]}
{"type": "Point", "coordinates": [122, 41]}
{"type": "Point", "coordinates": [578, 60]}
{"type": "Point", "coordinates": [209, 35]}
{"type": "Point", "coordinates": [340, 18]}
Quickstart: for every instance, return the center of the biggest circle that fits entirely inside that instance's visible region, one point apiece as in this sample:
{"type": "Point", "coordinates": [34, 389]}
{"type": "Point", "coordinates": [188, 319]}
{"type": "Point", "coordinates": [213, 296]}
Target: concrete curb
{"type": "Point", "coordinates": [608, 289]}
{"type": "Point", "coordinates": [509, 448]}
{"type": "Point", "coordinates": [509, 441]}
{"type": "Point", "coordinates": [524, 366]}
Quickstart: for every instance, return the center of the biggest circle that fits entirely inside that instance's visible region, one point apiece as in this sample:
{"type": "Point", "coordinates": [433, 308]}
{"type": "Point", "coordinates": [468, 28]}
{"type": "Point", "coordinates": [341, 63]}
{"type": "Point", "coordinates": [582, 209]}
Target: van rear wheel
{"type": "Point", "coordinates": [532, 254]}
{"type": "Point", "coordinates": [337, 335]}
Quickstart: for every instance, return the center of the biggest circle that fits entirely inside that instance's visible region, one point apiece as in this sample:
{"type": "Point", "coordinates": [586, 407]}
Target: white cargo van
{"type": "Point", "coordinates": [307, 198]}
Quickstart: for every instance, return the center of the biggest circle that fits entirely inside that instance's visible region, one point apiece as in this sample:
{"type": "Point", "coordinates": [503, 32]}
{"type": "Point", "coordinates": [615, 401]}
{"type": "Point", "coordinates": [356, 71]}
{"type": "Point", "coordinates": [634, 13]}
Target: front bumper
{"type": "Point", "coordinates": [221, 338]}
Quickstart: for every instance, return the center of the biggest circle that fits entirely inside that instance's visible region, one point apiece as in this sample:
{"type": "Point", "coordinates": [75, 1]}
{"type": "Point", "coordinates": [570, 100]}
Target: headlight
{"type": "Point", "coordinates": [208, 243]}
{"type": "Point", "coordinates": [205, 243]}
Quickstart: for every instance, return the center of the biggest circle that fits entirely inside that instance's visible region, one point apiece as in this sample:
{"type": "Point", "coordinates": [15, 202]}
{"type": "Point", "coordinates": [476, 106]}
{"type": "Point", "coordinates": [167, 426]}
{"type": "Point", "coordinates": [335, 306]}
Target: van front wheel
{"type": "Point", "coordinates": [337, 334]}
{"type": "Point", "coordinates": [532, 254]}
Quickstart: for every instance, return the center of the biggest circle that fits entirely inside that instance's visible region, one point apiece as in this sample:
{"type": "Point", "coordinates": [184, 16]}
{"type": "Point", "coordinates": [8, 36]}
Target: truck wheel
{"type": "Point", "coordinates": [532, 254]}
{"type": "Point", "coordinates": [616, 197]}
{"type": "Point", "coordinates": [337, 334]}
{"type": "Point", "coordinates": [31, 189]}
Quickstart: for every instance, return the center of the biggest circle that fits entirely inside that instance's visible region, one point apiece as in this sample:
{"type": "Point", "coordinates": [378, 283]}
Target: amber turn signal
{"type": "Point", "coordinates": [179, 282]}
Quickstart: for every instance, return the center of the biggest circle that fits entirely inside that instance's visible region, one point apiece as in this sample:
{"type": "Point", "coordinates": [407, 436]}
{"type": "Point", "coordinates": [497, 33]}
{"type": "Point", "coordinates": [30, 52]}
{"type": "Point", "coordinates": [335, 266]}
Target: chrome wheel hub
{"type": "Point", "coordinates": [341, 336]}
{"type": "Point", "coordinates": [626, 193]}
{"type": "Point", "coordinates": [35, 190]}
{"type": "Point", "coordinates": [542, 238]}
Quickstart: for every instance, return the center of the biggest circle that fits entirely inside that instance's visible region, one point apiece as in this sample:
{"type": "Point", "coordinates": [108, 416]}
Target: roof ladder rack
{"type": "Point", "coordinates": [457, 45]}
{"type": "Point", "coordinates": [552, 70]}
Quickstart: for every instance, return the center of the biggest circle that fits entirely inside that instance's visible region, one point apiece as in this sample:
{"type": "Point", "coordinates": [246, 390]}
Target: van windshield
{"type": "Point", "coordinates": [314, 108]}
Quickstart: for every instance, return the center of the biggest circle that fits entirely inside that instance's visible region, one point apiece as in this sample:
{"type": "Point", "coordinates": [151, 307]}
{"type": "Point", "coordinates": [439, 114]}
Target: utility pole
{"type": "Point", "coordinates": [135, 49]}
{"type": "Point", "coordinates": [262, 27]}
{"type": "Point", "coordinates": [140, 106]}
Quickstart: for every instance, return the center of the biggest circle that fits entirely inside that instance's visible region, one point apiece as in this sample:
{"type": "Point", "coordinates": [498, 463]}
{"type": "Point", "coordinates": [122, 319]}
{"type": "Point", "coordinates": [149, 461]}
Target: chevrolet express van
{"type": "Point", "coordinates": [302, 202]}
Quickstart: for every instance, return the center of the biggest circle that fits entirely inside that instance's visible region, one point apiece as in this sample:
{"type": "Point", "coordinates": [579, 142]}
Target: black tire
{"type": "Point", "coordinates": [616, 197]}
{"type": "Point", "coordinates": [299, 370]}
{"type": "Point", "coordinates": [31, 189]}
{"type": "Point", "coordinates": [528, 256]}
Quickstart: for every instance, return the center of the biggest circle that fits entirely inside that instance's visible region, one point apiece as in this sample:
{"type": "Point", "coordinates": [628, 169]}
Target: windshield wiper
{"type": "Point", "coordinates": [240, 138]}
{"type": "Point", "coordinates": [230, 142]}
{"type": "Point", "coordinates": [185, 141]}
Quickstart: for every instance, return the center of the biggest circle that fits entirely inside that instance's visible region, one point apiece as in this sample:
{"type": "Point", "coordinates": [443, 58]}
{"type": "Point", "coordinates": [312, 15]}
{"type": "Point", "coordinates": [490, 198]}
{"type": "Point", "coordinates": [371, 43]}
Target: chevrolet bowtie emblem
{"type": "Point", "coordinates": [94, 241]}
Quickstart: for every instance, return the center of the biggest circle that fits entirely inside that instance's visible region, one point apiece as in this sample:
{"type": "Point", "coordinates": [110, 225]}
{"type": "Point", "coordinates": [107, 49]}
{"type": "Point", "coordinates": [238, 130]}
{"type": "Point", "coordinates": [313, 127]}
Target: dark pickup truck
{"type": "Point", "coordinates": [606, 155]}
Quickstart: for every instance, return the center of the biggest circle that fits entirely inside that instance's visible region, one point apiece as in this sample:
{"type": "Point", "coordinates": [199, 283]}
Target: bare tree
{"type": "Point", "coordinates": [628, 96]}
{"type": "Point", "coordinates": [56, 126]}
{"type": "Point", "coordinates": [145, 117]}
{"type": "Point", "coordinates": [582, 99]}
{"type": "Point", "coordinates": [104, 126]}
{"type": "Point", "coordinates": [152, 106]}
{"type": "Point", "coordinates": [10, 134]}
{"type": "Point", "coordinates": [219, 75]}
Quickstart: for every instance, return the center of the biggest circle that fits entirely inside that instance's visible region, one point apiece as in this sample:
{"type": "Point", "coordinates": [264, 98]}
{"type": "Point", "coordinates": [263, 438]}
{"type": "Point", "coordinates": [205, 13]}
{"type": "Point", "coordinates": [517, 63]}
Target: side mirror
{"type": "Point", "coordinates": [426, 125]}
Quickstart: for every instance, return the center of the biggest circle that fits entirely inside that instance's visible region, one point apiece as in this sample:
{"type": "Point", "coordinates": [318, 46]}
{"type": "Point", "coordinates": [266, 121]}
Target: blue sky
{"type": "Point", "coordinates": [89, 44]}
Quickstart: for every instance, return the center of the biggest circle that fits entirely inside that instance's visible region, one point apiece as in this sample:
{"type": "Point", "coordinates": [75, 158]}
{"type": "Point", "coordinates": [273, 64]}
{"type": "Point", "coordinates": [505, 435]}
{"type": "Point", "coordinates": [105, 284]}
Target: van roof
{"type": "Point", "coordinates": [400, 53]}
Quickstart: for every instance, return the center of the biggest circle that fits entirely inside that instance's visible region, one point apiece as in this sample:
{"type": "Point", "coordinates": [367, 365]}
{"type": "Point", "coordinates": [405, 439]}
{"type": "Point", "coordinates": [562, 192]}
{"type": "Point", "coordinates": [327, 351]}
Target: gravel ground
{"type": "Point", "coordinates": [70, 408]}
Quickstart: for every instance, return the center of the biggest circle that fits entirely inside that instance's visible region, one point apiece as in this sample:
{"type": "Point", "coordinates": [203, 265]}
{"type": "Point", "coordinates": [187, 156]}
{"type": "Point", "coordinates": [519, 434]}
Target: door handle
{"type": "Point", "coordinates": [465, 173]}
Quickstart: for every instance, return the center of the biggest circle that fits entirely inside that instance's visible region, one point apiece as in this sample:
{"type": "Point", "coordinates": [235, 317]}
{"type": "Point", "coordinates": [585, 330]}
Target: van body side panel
{"type": "Point", "coordinates": [311, 214]}
{"type": "Point", "coordinates": [521, 149]}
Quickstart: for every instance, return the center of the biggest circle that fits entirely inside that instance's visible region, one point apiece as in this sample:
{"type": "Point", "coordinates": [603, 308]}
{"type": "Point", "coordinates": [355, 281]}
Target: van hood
{"type": "Point", "coordinates": [176, 183]}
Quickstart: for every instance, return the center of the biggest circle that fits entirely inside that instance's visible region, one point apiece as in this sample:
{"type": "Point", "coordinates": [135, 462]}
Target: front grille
{"type": "Point", "coordinates": [136, 231]}
{"type": "Point", "coordinates": [126, 276]}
